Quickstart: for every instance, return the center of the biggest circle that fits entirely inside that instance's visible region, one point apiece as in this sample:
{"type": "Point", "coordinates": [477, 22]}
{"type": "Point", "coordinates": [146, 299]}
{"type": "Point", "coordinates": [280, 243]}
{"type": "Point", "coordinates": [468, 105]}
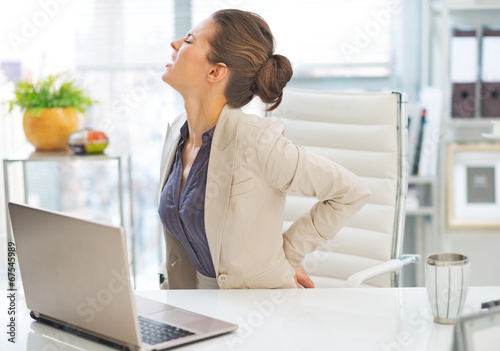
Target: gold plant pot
{"type": "Point", "coordinates": [50, 130]}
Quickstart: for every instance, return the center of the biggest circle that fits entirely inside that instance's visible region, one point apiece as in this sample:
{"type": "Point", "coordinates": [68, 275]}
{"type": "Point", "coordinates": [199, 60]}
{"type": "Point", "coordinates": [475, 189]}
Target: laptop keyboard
{"type": "Point", "coordinates": [154, 332]}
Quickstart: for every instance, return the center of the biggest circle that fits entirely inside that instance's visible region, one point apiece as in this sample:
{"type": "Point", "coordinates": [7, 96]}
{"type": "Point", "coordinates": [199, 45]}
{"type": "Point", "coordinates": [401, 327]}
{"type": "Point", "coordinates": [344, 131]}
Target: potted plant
{"type": "Point", "coordinates": [52, 108]}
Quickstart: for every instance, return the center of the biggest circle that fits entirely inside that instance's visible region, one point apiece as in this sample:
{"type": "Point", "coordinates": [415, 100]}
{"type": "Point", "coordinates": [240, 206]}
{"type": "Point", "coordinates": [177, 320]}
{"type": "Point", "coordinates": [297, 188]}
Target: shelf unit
{"type": "Point", "coordinates": [119, 157]}
{"type": "Point", "coordinates": [441, 17]}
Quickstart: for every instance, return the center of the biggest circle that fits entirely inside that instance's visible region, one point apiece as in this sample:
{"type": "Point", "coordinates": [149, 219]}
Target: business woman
{"type": "Point", "coordinates": [225, 173]}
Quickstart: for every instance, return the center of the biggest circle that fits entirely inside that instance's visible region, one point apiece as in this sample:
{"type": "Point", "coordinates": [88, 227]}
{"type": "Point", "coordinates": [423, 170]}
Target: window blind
{"type": "Point", "coordinates": [124, 33]}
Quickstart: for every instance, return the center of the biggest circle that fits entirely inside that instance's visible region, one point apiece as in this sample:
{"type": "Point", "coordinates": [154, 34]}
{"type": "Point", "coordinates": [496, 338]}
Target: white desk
{"type": "Point", "coordinates": [320, 319]}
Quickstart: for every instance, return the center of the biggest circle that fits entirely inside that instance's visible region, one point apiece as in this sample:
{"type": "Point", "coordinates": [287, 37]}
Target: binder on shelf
{"type": "Point", "coordinates": [431, 100]}
{"type": "Point", "coordinates": [463, 99]}
{"type": "Point", "coordinates": [490, 71]}
{"type": "Point", "coordinates": [418, 145]}
{"type": "Point", "coordinates": [463, 71]}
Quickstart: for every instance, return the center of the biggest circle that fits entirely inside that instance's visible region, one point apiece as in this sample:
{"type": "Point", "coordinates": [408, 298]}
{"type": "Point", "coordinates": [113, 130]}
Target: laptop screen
{"type": "Point", "coordinates": [76, 272]}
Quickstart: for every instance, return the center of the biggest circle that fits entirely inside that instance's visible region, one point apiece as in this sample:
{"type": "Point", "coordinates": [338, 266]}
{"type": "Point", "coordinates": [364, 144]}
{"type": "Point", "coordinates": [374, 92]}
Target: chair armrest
{"type": "Point", "coordinates": [394, 265]}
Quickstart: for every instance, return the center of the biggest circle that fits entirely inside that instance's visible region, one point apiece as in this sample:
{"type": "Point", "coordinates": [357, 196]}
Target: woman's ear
{"type": "Point", "coordinates": [217, 73]}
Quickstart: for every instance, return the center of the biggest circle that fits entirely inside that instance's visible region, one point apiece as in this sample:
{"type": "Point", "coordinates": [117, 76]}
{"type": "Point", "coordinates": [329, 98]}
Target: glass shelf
{"type": "Point", "coordinates": [116, 156]}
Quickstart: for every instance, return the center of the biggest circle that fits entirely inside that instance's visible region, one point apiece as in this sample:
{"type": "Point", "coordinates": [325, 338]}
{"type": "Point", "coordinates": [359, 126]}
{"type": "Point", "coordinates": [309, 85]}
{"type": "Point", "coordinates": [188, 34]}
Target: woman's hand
{"type": "Point", "coordinates": [302, 279]}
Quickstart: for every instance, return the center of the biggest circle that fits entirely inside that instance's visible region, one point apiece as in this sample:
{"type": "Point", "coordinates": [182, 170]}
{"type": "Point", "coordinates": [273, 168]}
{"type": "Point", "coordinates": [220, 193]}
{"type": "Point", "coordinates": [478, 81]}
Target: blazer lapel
{"type": "Point", "coordinates": [169, 148]}
{"type": "Point", "coordinates": [219, 179]}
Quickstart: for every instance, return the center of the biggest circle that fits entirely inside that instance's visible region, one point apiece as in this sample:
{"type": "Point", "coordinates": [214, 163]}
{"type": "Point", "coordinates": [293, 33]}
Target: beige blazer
{"type": "Point", "coordinates": [252, 166]}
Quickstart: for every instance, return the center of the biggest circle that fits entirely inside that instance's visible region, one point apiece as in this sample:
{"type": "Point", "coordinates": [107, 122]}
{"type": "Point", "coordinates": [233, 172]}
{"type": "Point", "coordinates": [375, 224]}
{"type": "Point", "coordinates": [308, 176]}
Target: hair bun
{"type": "Point", "coordinates": [244, 42]}
{"type": "Point", "coordinates": [271, 78]}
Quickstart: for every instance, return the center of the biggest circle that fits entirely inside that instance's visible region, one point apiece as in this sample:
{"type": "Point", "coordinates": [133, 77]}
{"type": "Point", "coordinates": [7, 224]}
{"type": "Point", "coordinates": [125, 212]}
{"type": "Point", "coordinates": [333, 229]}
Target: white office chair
{"type": "Point", "coordinates": [366, 133]}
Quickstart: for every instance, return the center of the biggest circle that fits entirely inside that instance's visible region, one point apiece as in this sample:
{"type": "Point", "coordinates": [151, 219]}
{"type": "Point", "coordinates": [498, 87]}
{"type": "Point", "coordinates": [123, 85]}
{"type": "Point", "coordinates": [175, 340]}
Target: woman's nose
{"type": "Point", "coordinates": [175, 44]}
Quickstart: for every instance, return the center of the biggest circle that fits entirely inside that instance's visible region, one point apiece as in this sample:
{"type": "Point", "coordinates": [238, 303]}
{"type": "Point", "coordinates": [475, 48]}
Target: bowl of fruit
{"type": "Point", "coordinates": [88, 141]}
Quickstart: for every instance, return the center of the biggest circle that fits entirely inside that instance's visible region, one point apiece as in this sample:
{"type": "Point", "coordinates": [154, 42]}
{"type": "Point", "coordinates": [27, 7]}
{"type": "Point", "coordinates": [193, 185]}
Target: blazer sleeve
{"type": "Point", "coordinates": [340, 193]}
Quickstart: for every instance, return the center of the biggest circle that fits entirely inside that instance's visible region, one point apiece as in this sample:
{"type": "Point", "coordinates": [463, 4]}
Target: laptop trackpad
{"type": "Point", "coordinates": [147, 306]}
{"type": "Point", "coordinates": [177, 317]}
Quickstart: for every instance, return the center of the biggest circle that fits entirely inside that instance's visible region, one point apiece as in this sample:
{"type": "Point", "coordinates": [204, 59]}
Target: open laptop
{"type": "Point", "coordinates": [479, 331]}
{"type": "Point", "coordinates": [76, 277]}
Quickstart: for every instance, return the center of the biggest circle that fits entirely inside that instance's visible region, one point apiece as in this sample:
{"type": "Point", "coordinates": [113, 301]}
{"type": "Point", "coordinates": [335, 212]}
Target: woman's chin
{"type": "Point", "coordinates": [164, 77]}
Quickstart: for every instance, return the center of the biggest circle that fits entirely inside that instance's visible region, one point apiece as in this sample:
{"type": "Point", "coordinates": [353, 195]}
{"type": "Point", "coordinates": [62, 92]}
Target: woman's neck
{"type": "Point", "coordinates": [202, 115]}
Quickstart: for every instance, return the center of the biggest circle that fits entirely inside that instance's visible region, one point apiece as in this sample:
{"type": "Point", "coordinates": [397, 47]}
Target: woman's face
{"type": "Point", "coordinates": [189, 66]}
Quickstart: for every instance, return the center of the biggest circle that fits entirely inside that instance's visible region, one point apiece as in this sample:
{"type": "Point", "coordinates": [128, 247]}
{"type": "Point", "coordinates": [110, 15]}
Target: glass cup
{"type": "Point", "coordinates": [447, 281]}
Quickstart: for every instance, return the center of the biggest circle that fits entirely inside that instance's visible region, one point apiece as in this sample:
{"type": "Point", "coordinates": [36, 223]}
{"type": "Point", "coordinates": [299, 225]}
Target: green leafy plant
{"type": "Point", "coordinates": [54, 91]}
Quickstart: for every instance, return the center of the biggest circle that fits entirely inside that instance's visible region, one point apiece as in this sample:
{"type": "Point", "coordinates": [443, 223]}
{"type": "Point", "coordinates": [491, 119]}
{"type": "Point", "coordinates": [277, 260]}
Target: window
{"type": "Point", "coordinates": [118, 49]}
{"type": "Point", "coordinates": [324, 38]}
